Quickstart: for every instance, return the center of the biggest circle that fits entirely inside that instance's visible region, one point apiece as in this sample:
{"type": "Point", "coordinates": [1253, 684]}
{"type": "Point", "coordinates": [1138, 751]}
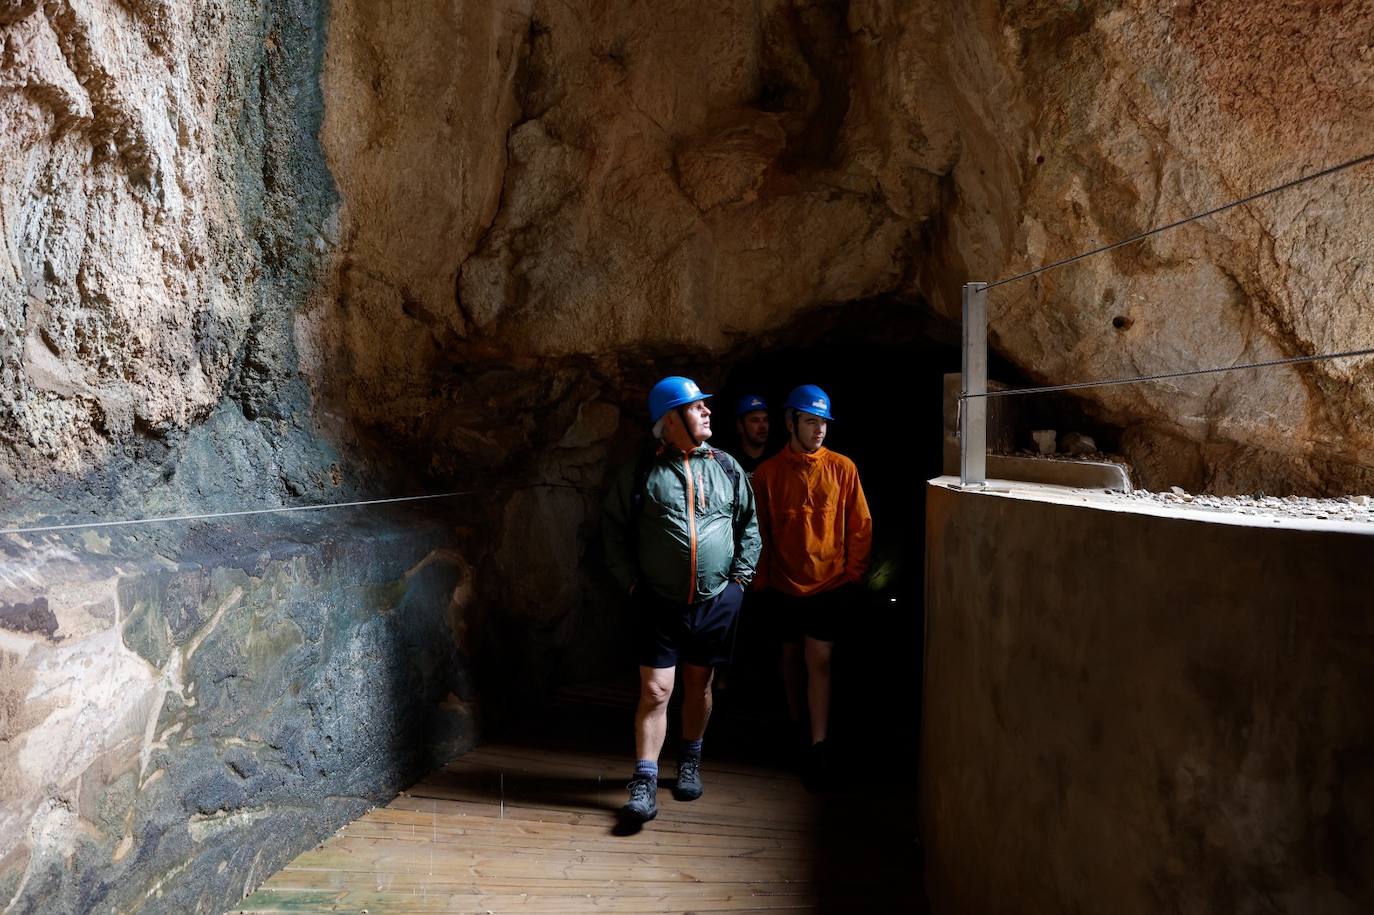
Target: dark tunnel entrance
{"type": "Point", "coordinates": [883, 364]}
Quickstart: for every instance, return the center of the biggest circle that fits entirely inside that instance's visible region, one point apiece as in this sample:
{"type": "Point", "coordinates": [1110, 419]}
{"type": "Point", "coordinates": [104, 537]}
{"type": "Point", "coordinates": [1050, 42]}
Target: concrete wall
{"type": "Point", "coordinates": [1145, 710]}
{"type": "Point", "coordinates": [184, 708]}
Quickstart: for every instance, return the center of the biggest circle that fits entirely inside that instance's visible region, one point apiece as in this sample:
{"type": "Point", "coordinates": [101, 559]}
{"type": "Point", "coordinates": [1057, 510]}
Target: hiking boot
{"type": "Point", "coordinates": [643, 805]}
{"type": "Point", "coordinates": [688, 785]}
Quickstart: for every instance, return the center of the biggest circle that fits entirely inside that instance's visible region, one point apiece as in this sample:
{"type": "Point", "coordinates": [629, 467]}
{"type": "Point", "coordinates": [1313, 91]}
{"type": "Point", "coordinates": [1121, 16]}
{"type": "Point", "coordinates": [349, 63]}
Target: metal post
{"type": "Point", "coordinates": [973, 410]}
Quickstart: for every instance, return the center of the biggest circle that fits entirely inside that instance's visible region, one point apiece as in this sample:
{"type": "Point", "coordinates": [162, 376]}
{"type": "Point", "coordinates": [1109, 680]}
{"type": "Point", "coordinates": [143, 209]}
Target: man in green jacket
{"type": "Point", "coordinates": [681, 538]}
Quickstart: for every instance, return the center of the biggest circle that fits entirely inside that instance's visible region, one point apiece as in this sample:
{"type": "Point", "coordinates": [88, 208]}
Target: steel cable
{"type": "Point", "coordinates": [281, 509]}
{"type": "Point", "coordinates": [1196, 216]}
{"type": "Point", "coordinates": [234, 514]}
{"type": "Point", "coordinates": [1294, 360]}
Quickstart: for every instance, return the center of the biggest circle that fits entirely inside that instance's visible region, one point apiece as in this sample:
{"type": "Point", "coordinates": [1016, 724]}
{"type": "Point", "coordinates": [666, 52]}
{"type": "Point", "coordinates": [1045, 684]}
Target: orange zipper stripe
{"type": "Point", "coordinates": [691, 529]}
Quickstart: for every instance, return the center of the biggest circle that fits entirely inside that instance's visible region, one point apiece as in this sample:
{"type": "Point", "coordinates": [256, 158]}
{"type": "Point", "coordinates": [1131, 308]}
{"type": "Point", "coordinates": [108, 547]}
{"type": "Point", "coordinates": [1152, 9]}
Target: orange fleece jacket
{"type": "Point", "coordinates": [817, 532]}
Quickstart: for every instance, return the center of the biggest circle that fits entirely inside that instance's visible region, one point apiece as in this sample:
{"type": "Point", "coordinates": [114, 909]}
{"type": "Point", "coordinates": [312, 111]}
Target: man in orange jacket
{"type": "Point", "coordinates": [817, 536]}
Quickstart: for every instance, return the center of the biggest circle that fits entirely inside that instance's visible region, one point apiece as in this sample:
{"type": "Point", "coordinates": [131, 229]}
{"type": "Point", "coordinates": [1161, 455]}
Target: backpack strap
{"type": "Point", "coordinates": [643, 463]}
{"type": "Point", "coordinates": [732, 471]}
{"type": "Point", "coordinates": [729, 467]}
{"type": "Point", "coordinates": [639, 485]}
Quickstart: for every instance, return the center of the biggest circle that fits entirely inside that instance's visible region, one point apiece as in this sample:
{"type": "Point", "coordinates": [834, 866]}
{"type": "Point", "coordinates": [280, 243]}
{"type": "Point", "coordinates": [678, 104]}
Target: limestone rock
{"type": "Point", "coordinates": [568, 181]}
{"type": "Point", "coordinates": [163, 211]}
{"type": "Point", "coordinates": [1118, 119]}
{"type": "Point", "coordinates": [209, 704]}
{"type": "Point", "coordinates": [1077, 444]}
{"type": "Point", "coordinates": [899, 148]}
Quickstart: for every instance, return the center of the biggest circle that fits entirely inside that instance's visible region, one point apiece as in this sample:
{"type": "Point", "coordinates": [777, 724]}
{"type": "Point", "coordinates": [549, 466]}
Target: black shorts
{"type": "Point", "coordinates": [816, 616]}
{"type": "Point", "coordinates": [695, 633]}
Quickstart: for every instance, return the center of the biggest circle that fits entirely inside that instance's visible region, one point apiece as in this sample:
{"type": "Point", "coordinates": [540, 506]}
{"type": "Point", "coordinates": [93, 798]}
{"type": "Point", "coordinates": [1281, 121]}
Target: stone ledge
{"type": "Point", "coordinates": [1128, 704]}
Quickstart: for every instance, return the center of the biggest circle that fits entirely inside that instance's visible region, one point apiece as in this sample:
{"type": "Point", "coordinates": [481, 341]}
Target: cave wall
{"type": "Point", "coordinates": [290, 251]}
{"type": "Point", "coordinates": [186, 707]}
{"type": "Point", "coordinates": [1101, 120]}
{"type": "Point", "coordinates": [165, 209]}
{"type": "Point", "coordinates": [302, 230]}
{"type": "Point", "coordinates": [628, 191]}
{"type": "Point", "coordinates": [184, 712]}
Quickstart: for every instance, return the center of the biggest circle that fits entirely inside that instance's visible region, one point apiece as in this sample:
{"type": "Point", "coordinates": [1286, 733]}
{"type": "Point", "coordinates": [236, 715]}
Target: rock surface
{"type": "Point", "coordinates": [595, 184]}
{"type": "Point", "coordinates": [164, 205]}
{"type": "Point", "coordinates": [1125, 117]}
{"type": "Point", "coordinates": [299, 230]}
{"type": "Point", "coordinates": [1359, 509]}
{"type": "Point", "coordinates": [289, 251]}
{"type": "Point", "coordinates": [188, 709]}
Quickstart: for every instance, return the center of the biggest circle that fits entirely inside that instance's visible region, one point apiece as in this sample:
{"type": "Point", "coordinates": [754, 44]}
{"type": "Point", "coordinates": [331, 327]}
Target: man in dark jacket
{"type": "Point", "coordinates": [751, 425]}
{"type": "Point", "coordinates": [681, 538]}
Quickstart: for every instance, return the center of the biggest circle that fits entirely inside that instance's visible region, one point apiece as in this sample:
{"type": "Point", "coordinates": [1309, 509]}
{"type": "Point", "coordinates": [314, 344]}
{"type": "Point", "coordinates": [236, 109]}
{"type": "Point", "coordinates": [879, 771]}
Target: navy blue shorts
{"type": "Point", "coordinates": [697, 633]}
{"type": "Point", "coordinates": [816, 616]}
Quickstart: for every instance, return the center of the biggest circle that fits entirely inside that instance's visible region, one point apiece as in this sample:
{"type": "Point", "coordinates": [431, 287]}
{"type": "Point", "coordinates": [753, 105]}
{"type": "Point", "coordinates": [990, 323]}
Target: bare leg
{"type": "Point", "coordinates": [696, 700]}
{"type": "Point", "coordinates": [794, 681]}
{"type": "Point", "coordinates": [818, 686]}
{"type": "Point", "coordinates": [651, 717]}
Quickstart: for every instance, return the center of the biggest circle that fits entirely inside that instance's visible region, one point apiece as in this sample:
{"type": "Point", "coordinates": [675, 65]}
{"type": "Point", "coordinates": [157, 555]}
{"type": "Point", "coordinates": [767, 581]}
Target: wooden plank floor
{"type": "Point", "coordinates": [529, 825]}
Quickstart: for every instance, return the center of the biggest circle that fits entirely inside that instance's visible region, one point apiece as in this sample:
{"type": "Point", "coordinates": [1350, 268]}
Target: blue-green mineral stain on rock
{"type": "Point", "coordinates": [304, 672]}
{"type": "Point", "coordinates": [28, 616]}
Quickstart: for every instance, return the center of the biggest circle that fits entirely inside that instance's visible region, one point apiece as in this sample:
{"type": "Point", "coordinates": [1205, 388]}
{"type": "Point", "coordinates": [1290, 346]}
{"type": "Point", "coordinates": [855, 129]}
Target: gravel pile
{"type": "Point", "coordinates": [1344, 508]}
{"type": "Point", "coordinates": [1101, 456]}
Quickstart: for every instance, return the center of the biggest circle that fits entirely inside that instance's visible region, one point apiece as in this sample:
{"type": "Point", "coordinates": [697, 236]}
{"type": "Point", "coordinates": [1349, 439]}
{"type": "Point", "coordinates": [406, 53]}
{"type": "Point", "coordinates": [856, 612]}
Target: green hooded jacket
{"type": "Point", "coordinates": [695, 532]}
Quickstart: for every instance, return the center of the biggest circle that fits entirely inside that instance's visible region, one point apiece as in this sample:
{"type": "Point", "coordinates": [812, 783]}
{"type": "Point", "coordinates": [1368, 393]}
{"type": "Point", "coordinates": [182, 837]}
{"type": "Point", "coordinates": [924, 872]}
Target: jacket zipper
{"type": "Point", "coordinates": [691, 529]}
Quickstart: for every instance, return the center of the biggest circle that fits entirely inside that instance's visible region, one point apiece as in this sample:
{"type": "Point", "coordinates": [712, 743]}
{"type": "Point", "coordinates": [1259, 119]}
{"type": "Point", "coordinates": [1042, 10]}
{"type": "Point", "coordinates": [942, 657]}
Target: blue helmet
{"type": "Point", "coordinates": [749, 403]}
{"type": "Point", "coordinates": [673, 391]}
{"type": "Point", "coordinates": [810, 399]}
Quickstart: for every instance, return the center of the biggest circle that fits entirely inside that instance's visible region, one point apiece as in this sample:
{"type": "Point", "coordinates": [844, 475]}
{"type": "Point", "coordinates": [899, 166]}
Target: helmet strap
{"type": "Point", "coordinates": [795, 415]}
{"type": "Point", "coordinates": [682, 417]}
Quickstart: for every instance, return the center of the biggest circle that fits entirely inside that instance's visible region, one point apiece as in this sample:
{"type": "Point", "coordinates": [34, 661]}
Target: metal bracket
{"type": "Point", "coordinates": [973, 407]}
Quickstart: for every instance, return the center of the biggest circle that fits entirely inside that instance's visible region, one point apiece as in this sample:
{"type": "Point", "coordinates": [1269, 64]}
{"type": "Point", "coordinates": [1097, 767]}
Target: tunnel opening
{"type": "Point", "coordinates": [887, 397]}
{"type": "Point", "coordinates": [887, 363]}
{"type": "Point", "coordinates": [882, 363]}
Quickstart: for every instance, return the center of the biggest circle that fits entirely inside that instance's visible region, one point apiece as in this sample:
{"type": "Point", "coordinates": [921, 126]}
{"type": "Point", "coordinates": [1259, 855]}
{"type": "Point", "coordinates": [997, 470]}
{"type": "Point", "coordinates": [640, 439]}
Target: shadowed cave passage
{"type": "Point", "coordinates": [568, 756]}
{"type": "Point", "coordinates": [884, 362]}
{"type": "Point", "coordinates": [887, 404]}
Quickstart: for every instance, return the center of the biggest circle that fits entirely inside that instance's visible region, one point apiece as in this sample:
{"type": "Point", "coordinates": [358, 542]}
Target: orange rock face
{"type": "Point", "coordinates": [694, 173]}
{"type": "Point", "coordinates": [305, 257]}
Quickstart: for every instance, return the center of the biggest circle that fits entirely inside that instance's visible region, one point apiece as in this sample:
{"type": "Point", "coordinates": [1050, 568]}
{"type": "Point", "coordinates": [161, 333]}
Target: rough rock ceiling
{"type": "Point", "coordinates": [297, 231]}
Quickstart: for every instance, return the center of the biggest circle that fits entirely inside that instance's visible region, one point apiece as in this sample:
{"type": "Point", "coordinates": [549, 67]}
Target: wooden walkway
{"type": "Point", "coordinates": [519, 827]}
